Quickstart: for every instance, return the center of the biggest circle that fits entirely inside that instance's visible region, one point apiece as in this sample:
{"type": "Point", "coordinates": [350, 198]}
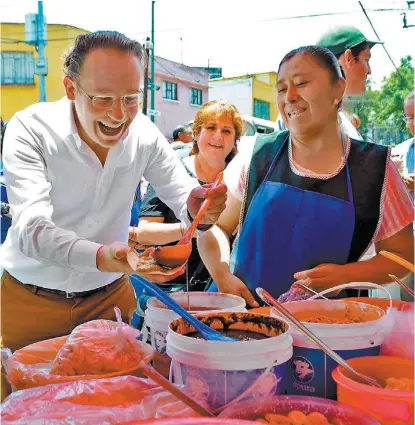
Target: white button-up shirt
{"type": "Point", "coordinates": [65, 205]}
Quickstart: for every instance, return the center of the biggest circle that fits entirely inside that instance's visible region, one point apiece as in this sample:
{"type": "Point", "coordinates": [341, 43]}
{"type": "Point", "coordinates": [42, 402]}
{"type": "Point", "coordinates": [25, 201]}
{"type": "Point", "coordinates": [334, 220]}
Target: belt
{"type": "Point", "coordinates": [69, 295]}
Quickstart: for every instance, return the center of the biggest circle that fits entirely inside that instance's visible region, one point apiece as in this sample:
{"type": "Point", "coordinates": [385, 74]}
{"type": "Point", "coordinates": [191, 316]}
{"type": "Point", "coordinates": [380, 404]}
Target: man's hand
{"type": "Point", "coordinates": [113, 258]}
{"type": "Point", "coordinates": [322, 277]}
{"type": "Point", "coordinates": [199, 194]}
{"type": "Point", "coordinates": [410, 181]}
{"type": "Point", "coordinates": [230, 284]}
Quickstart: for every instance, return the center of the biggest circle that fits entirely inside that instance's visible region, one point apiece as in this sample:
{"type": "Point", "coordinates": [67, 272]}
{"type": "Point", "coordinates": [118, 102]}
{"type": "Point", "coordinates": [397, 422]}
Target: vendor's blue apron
{"type": "Point", "coordinates": [287, 230]}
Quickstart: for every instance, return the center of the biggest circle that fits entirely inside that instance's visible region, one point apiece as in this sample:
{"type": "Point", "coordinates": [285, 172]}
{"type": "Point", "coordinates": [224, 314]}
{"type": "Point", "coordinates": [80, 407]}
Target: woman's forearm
{"type": "Point", "coordinates": [214, 250]}
{"type": "Point", "coordinates": [376, 270]}
{"type": "Point", "coordinates": [153, 233]}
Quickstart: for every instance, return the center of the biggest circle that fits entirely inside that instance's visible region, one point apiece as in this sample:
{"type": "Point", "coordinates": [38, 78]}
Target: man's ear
{"type": "Point", "coordinates": [69, 87]}
{"type": "Point", "coordinates": [347, 58]}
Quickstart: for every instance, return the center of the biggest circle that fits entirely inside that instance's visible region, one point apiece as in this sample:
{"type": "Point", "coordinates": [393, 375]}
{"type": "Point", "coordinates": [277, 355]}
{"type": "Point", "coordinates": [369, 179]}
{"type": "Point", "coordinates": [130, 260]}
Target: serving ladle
{"type": "Point", "coordinates": [273, 303]}
{"type": "Point", "coordinates": [205, 331]}
{"type": "Point", "coordinates": [176, 255]}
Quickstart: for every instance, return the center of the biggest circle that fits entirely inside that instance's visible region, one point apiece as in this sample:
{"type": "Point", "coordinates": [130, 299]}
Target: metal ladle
{"type": "Point", "coordinates": [176, 255]}
{"type": "Point", "coordinates": [273, 303]}
{"type": "Point", "coordinates": [402, 285]}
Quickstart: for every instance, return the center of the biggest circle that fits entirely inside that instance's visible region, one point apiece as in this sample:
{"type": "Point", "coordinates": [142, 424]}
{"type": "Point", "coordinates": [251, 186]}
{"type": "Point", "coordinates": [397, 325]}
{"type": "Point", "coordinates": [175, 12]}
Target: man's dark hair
{"type": "Point", "coordinates": [356, 50]}
{"type": "Point", "coordinates": [177, 130]}
{"type": "Point", "coordinates": [2, 131]}
{"type": "Point", "coordinates": [84, 43]}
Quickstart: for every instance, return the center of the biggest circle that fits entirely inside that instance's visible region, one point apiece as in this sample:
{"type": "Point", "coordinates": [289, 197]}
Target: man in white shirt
{"type": "Point", "coordinates": [71, 169]}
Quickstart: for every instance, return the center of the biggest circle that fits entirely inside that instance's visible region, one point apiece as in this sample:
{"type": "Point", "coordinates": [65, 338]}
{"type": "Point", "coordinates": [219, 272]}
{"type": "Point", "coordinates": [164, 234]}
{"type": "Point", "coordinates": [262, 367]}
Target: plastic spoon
{"type": "Point", "coordinates": [399, 260]}
{"type": "Point", "coordinates": [207, 332]}
{"type": "Point", "coordinates": [271, 301]}
{"type": "Point", "coordinates": [167, 385]}
{"type": "Point", "coordinates": [176, 255]}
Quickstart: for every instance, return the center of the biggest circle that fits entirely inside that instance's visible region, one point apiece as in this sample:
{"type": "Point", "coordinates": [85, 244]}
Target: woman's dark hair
{"type": "Point", "coordinates": [323, 56]}
{"type": "Point", "coordinates": [84, 43]}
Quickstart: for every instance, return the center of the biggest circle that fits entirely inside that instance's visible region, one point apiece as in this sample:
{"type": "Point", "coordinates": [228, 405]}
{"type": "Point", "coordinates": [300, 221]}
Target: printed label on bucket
{"type": "Point", "coordinates": [311, 371]}
{"type": "Point", "coordinates": [220, 387]}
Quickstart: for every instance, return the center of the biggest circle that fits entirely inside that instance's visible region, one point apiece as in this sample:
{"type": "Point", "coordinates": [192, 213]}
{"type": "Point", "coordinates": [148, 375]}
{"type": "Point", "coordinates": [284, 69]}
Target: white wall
{"type": "Point", "coordinates": [238, 92]}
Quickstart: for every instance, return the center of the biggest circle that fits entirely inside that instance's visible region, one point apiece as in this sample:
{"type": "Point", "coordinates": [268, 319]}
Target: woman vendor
{"type": "Point", "coordinates": [309, 201]}
{"type": "Point", "coordinates": [217, 128]}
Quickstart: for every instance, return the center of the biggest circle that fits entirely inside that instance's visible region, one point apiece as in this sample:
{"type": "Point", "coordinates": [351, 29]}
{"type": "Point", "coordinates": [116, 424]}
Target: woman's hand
{"type": "Point", "coordinates": [230, 284]}
{"type": "Point", "coordinates": [322, 277]}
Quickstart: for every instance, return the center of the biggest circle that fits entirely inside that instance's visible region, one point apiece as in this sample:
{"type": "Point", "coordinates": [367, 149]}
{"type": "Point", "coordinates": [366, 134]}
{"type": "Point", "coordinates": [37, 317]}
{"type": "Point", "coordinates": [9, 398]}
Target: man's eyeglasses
{"type": "Point", "coordinates": [408, 119]}
{"type": "Point", "coordinates": [106, 102]}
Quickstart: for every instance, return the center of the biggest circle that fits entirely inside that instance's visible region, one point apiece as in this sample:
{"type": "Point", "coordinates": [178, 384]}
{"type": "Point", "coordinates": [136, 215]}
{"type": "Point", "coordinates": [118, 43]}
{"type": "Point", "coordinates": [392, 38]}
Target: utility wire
{"type": "Point", "coordinates": [389, 56]}
{"type": "Point", "coordinates": [261, 20]}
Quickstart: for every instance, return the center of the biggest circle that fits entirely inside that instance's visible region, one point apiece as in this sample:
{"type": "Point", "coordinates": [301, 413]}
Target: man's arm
{"type": "Point", "coordinates": [169, 178]}
{"type": "Point", "coordinates": [28, 190]}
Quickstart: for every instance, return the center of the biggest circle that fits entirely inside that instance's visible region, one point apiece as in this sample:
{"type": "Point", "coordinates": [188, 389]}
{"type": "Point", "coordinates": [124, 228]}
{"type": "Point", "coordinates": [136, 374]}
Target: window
{"type": "Point", "coordinates": [195, 96]}
{"type": "Point", "coordinates": [17, 68]}
{"type": "Point", "coordinates": [261, 109]}
{"type": "Point", "coordinates": [169, 90]}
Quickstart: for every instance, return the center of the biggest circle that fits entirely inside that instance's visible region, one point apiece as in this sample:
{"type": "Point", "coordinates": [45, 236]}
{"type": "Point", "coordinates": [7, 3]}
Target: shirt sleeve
{"type": "Point", "coordinates": [236, 172]}
{"type": "Point", "coordinates": [398, 206]}
{"type": "Point", "coordinates": [169, 178]}
{"type": "Point", "coordinates": [152, 206]}
{"type": "Point", "coordinates": [28, 190]}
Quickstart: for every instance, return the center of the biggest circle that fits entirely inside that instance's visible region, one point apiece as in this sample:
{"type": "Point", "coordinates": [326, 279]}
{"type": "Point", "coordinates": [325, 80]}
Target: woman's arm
{"type": "Point", "coordinates": [376, 269]}
{"type": "Point", "coordinates": [214, 250]}
{"type": "Point", "coordinates": [153, 231]}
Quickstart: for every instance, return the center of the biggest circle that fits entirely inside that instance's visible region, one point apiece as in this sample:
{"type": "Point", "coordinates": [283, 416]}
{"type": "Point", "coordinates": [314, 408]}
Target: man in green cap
{"type": "Point", "coordinates": [352, 49]}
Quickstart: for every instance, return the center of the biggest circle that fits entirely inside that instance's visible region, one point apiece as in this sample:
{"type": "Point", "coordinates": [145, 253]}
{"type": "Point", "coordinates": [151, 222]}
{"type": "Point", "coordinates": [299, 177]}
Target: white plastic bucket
{"type": "Point", "coordinates": [311, 368]}
{"type": "Point", "coordinates": [224, 372]}
{"type": "Point", "coordinates": [158, 317]}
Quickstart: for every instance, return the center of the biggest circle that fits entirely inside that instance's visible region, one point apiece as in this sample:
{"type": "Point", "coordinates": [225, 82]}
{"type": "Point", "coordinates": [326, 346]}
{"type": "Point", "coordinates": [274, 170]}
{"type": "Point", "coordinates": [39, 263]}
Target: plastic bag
{"type": "Point", "coordinates": [98, 347]}
{"type": "Point", "coordinates": [400, 340]}
{"type": "Point", "coordinates": [92, 349]}
{"type": "Point", "coordinates": [96, 401]}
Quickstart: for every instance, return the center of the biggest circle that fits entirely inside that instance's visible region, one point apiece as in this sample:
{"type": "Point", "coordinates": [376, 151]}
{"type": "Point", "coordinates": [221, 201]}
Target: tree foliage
{"type": "Point", "coordinates": [384, 107]}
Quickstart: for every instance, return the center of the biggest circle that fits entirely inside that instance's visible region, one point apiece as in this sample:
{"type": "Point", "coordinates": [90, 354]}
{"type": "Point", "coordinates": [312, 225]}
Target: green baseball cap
{"type": "Point", "coordinates": [339, 39]}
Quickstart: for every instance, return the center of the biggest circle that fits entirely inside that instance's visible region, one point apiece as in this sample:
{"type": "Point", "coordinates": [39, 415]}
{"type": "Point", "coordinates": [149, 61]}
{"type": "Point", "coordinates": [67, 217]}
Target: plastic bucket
{"type": "Point", "coordinates": [310, 367]}
{"type": "Point", "coordinates": [387, 406]}
{"type": "Point", "coordinates": [224, 372]}
{"type": "Point", "coordinates": [158, 317]}
{"type": "Point", "coordinates": [335, 413]}
{"type": "Point", "coordinates": [400, 341]}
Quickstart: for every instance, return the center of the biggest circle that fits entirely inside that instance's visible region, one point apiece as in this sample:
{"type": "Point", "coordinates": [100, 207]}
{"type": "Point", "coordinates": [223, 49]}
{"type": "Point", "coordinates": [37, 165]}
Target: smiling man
{"type": "Point", "coordinates": [71, 169]}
